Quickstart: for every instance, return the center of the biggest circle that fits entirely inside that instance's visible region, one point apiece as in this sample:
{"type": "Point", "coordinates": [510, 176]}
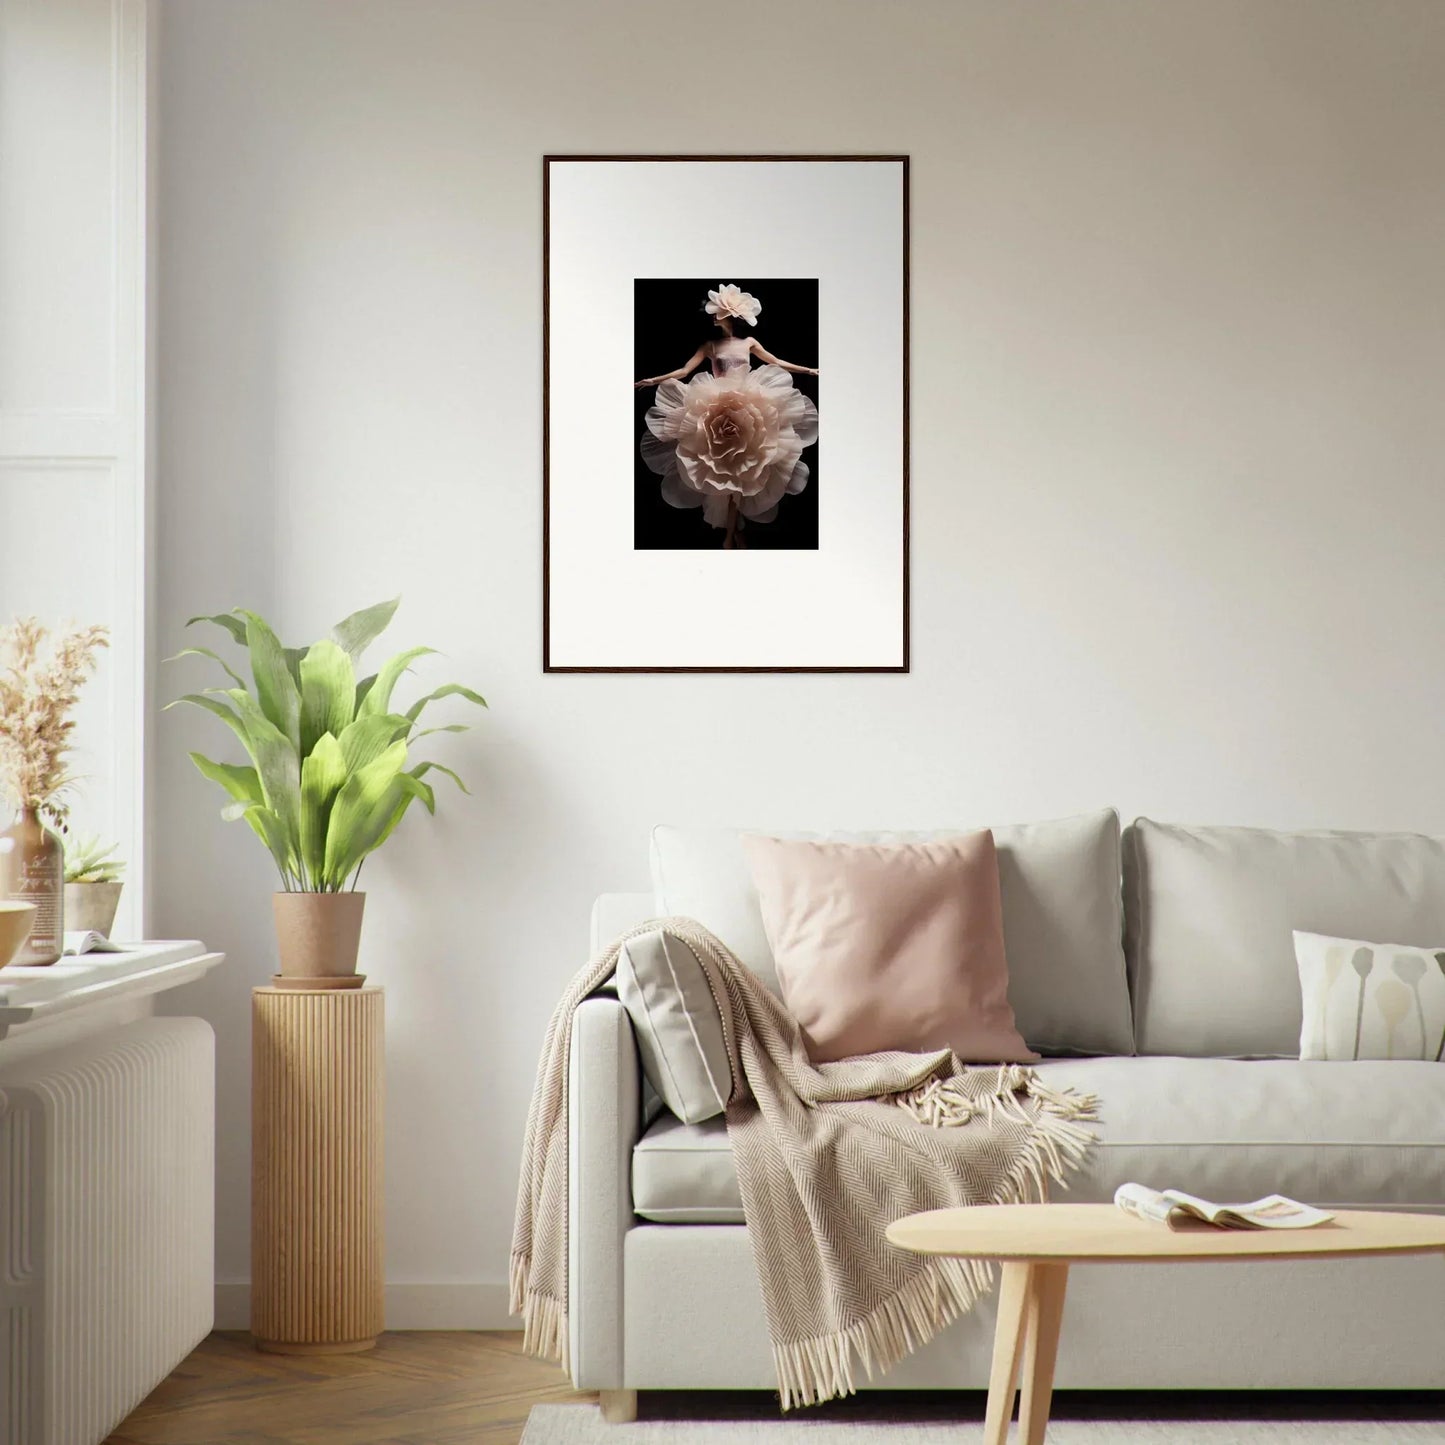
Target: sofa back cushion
{"type": "Point", "coordinates": [1062, 918]}
{"type": "Point", "coordinates": [1212, 912]}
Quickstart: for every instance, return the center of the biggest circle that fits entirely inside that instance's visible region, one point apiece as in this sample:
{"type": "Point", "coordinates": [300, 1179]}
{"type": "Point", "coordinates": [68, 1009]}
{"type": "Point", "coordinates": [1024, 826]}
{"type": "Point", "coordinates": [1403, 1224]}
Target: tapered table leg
{"type": "Point", "coordinates": [1014, 1293]}
{"type": "Point", "coordinates": [1041, 1347]}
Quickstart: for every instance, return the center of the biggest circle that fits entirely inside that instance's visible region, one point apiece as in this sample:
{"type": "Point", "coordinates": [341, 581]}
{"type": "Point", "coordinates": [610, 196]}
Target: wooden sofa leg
{"type": "Point", "coordinates": [619, 1407]}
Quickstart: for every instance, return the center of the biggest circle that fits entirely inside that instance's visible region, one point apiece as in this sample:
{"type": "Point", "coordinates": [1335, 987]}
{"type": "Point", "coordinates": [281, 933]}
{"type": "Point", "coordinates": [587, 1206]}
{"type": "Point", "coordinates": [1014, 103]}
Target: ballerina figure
{"type": "Point", "coordinates": [730, 440]}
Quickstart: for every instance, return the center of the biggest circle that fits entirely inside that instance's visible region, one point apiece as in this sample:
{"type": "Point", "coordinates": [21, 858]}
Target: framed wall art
{"type": "Point", "coordinates": [725, 434]}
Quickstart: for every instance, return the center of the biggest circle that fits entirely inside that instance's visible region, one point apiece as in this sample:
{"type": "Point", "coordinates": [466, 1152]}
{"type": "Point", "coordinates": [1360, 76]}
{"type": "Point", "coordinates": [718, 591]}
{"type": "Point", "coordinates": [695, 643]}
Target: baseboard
{"type": "Point", "coordinates": [477, 1306]}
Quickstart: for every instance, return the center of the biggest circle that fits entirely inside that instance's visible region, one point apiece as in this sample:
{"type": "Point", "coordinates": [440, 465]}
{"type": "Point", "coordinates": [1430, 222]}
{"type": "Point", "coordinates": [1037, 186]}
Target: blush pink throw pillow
{"type": "Point", "coordinates": [895, 946]}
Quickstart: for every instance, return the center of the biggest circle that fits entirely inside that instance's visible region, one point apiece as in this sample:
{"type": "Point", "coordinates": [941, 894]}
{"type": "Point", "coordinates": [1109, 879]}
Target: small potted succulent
{"type": "Point", "coordinates": [327, 778]}
{"type": "Point", "coordinates": [92, 885]}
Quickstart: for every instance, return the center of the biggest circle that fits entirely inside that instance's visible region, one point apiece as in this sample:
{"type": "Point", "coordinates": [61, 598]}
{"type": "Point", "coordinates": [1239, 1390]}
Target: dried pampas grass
{"type": "Point", "coordinates": [40, 682]}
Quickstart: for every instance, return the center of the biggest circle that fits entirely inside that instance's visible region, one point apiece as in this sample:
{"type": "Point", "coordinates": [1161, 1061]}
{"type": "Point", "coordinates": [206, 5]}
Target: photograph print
{"type": "Point", "coordinates": [725, 414]}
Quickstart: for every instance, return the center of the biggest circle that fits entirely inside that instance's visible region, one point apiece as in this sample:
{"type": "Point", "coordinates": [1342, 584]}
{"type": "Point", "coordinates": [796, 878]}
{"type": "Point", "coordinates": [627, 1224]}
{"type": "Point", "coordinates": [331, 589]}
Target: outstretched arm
{"type": "Point", "coordinates": [694, 361]}
{"type": "Point", "coordinates": [778, 361]}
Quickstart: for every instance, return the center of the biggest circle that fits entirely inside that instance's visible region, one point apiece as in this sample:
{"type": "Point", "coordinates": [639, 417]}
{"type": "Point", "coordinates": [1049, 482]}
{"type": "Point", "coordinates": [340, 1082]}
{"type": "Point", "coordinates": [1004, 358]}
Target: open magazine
{"type": "Point", "coordinates": [88, 941]}
{"type": "Point", "coordinates": [1184, 1211]}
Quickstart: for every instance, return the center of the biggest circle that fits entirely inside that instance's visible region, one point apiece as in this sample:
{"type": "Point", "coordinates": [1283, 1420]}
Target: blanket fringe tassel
{"type": "Point", "coordinates": [544, 1319]}
{"type": "Point", "coordinates": [1060, 1140]}
{"type": "Point", "coordinates": [824, 1366]}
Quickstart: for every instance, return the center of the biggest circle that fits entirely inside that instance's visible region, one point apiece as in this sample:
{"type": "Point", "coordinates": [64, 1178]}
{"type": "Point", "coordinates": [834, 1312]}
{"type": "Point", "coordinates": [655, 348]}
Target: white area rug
{"type": "Point", "coordinates": [1196, 1421]}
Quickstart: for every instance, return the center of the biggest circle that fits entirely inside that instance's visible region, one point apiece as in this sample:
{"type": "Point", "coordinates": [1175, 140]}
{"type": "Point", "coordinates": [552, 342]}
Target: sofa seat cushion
{"type": "Point", "coordinates": [1365, 1135]}
{"type": "Point", "coordinates": [683, 1173]}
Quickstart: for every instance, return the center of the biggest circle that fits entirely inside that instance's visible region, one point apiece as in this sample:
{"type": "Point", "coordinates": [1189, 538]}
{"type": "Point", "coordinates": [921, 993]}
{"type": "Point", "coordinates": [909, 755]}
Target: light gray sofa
{"type": "Point", "coordinates": [1171, 963]}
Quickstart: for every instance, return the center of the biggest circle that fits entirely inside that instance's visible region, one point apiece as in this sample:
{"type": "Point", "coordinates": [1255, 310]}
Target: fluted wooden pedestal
{"type": "Point", "coordinates": [316, 1180]}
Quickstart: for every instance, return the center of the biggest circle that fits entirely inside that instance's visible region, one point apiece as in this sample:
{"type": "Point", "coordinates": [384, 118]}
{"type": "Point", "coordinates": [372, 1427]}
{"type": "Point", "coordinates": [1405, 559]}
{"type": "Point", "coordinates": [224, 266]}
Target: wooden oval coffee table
{"type": "Point", "coordinates": [1036, 1244]}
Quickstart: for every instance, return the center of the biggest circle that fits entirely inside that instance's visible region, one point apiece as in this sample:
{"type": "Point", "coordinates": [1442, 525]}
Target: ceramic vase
{"type": "Point", "coordinates": [32, 870]}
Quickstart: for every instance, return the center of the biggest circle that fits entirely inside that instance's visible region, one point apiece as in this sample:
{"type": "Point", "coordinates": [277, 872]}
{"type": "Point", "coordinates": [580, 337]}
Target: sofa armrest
{"type": "Point", "coordinates": [604, 1122]}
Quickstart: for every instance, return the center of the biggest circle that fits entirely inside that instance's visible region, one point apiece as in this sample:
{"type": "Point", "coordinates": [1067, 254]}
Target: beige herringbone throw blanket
{"type": "Point", "coordinates": [827, 1156]}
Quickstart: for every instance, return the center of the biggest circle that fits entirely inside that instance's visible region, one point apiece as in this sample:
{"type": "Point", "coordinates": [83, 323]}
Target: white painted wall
{"type": "Point", "coordinates": [1179, 336]}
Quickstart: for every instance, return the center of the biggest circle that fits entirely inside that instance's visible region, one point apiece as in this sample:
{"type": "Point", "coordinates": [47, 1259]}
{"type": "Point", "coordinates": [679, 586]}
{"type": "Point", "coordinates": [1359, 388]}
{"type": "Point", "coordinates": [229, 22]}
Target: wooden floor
{"type": "Point", "coordinates": [438, 1388]}
{"type": "Point", "coordinates": [413, 1389]}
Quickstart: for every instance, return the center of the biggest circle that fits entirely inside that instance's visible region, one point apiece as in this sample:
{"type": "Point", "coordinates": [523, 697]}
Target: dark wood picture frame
{"type": "Point", "coordinates": [547, 161]}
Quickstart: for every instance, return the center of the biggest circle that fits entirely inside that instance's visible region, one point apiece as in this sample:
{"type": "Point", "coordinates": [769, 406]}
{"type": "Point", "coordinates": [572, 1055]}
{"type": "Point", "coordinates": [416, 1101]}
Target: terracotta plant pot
{"type": "Point", "coordinates": [90, 907]}
{"type": "Point", "coordinates": [319, 934]}
{"type": "Point", "coordinates": [15, 922]}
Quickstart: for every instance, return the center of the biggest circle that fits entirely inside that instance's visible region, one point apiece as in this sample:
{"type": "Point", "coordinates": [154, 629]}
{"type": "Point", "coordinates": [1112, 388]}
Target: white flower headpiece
{"type": "Point", "coordinates": [730, 301]}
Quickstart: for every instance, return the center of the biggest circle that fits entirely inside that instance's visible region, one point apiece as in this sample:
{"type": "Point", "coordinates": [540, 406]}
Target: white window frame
{"type": "Point", "coordinates": [115, 440]}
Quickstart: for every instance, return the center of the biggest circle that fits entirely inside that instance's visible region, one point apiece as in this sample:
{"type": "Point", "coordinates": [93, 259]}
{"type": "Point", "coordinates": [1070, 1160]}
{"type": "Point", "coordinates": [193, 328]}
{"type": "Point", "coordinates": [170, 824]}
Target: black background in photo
{"type": "Point", "coordinates": [668, 325]}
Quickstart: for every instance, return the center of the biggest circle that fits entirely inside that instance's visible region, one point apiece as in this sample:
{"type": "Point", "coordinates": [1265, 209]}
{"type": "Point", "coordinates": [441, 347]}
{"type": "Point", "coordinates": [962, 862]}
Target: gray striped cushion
{"type": "Point", "coordinates": [679, 1032]}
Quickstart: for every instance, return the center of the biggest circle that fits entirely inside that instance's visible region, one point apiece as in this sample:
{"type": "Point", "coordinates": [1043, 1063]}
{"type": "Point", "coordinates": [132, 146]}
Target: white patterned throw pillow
{"type": "Point", "coordinates": [664, 988]}
{"type": "Point", "coordinates": [1370, 1000]}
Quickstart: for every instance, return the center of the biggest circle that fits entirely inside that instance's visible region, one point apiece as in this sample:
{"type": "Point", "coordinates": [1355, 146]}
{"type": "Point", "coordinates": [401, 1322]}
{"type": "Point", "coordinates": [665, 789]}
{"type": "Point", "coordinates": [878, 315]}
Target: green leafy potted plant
{"type": "Point", "coordinates": [93, 885]}
{"type": "Point", "coordinates": [328, 778]}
